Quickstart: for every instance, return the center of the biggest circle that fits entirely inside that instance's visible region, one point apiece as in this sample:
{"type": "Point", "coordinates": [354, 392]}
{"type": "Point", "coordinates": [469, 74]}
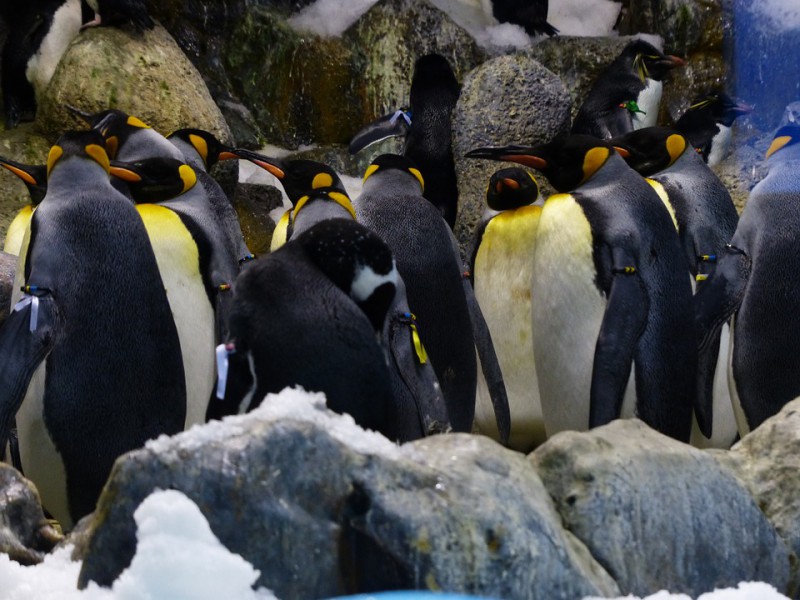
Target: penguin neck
{"type": "Point", "coordinates": [190, 153]}
{"type": "Point", "coordinates": [316, 210]}
{"type": "Point", "coordinates": [147, 143]}
{"type": "Point", "coordinates": [606, 174]}
{"type": "Point", "coordinates": [76, 169]}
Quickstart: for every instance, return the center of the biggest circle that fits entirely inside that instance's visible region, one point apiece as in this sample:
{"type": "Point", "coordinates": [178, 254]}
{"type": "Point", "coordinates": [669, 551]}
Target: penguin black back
{"type": "Point", "coordinates": [530, 14]}
{"type": "Point", "coordinates": [434, 93]}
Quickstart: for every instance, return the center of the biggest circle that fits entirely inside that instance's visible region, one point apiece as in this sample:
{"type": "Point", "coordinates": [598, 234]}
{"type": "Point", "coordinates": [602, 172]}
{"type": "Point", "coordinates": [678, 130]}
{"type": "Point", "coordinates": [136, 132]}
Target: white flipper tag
{"type": "Point", "coordinates": [222, 370]}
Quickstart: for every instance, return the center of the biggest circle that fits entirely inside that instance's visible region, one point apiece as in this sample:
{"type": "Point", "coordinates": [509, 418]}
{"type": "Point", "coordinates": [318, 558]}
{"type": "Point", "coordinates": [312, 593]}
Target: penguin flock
{"type": "Point", "coordinates": [633, 291]}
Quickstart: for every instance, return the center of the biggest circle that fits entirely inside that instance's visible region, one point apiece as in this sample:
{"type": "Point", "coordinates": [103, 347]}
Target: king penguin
{"type": "Point", "coordinates": [35, 179]}
{"type": "Point", "coordinates": [391, 204]}
{"type": "Point", "coordinates": [754, 285]}
{"type": "Point", "coordinates": [611, 289]}
{"type": "Point", "coordinates": [627, 93]}
{"type": "Point", "coordinates": [39, 33]}
{"type": "Point", "coordinates": [706, 219]}
{"type": "Point", "coordinates": [707, 124]}
{"type": "Point", "coordinates": [313, 314]}
{"type": "Point", "coordinates": [428, 130]}
{"type": "Point", "coordinates": [502, 269]}
{"type": "Point", "coordinates": [91, 362]}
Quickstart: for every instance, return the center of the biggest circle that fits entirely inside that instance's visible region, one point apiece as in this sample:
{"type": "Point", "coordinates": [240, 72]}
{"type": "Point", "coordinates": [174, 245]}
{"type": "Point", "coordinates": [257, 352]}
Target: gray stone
{"type": "Point", "coordinates": [321, 508]}
{"type": "Point", "coordinates": [745, 166]}
{"type": "Point", "coordinates": [507, 100]}
{"type": "Point", "coordinates": [659, 514]}
{"type": "Point", "coordinates": [768, 461]}
{"type": "Point", "coordinates": [25, 534]}
{"type": "Point", "coordinates": [253, 204]}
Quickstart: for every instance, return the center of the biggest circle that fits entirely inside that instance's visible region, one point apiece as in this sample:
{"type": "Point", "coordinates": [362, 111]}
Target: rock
{"type": "Point", "coordinates": [391, 36]}
{"type": "Point", "coordinates": [323, 508]}
{"type": "Point", "coordinates": [507, 100]}
{"type": "Point", "coordinates": [253, 204]}
{"type": "Point", "coordinates": [745, 167]}
{"type": "Point", "coordinates": [659, 514]}
{"type": "Point", "coordinates": [145, 75]}
{"type": "Point", "coordinates": [22, 144]}
{"type": "Point", "coordinates": [25, 534]}
{"type": "Point", "coordinates": [768, 460]}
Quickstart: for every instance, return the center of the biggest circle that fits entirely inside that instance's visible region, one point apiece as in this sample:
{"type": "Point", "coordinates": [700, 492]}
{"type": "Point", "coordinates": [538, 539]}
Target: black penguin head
{"type": "Point", "coordinates": [567, 161]}
{"type": "Point", "coordinates": [85, 144]}
{"type": "Point", "coordinates": [511, 188]}
{"type": "Point", "coordinates": [647, 61]}
{"type": "Point", "coordinates": [33, 176]}
{"type": "Point", "coordinates": [395, 162]}
{"type": "Point", "coordinates": [433, 79]}
{"type": "Point", "coordinates": [786, 137]}
{"type": "Point", "coordinates": [650, 149]}
{"type": "Point", "coordinates": [357, 261]}
{"type": "Point", "coordinates": [718, 106]}
{"type": "Point", "coordinates": [115, 125]}
{"type": "Point", "coordinates": [210, 149]}
{"type": "Point", "coordinates": [155, 179]}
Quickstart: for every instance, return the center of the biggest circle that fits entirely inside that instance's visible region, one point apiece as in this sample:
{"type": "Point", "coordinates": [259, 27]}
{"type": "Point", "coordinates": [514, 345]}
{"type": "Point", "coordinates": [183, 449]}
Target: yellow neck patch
{"type": "Point", "coordinates": [662, 193]}
{"type": "Point", "coordinates": [370, 170]}
{"type": "Point", "coordinates": [339, 198]}
{"type": "Point", "coordinates": [777, 144]}
{"type": "Point", "coordinates": [134, 122]}
{"type": "Point", "coordinates": [200, 145]}
{"type": "Point", "coordinates": [98, 153]}
{"type": "Point", "coordinates": [281, 229]}
{"type": "Point", "coordinates": [188, 176]}
{"type": "Point", "coordinates": [676, 144]}
{"type": "Point", "coordinates": [418, 175]}
{"type": "Point", "coordinates": [53, 156]}
{"type": "Point", "coordinates": [593, 160]}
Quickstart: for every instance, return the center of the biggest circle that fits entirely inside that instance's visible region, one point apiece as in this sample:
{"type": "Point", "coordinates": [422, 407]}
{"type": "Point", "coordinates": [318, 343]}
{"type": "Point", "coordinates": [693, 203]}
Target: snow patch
{"type": "Point", "coordinates": [745, 591]}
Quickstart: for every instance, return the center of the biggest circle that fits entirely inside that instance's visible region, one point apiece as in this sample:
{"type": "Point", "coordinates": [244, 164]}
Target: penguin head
{"type": "Point", "coordinates": [210, 149]}
{"type": "Point", "coordinates": [647, 61]}
{"type": "Point", "coordinates": [719, 106]}
{"type": "Point", "coordinates": [33, 176]}
{"type": "Point", "coordinates": [115, 126]}
{"type": "Point", "coordinates": [155, 179]}
{"type": "Point", "coordinates": [433, 75]}
{"type": "Point", "coordinates": [511, 188]}
{"type": "Point", "coordinates": [82, 144]}
{"type": "Point", "coordinates": [650, 149]}
{"type": "Point", "coordinates": [357, 261]}
{"type": "Point", "coordinates": [386, 163]}
{"type": "Point", "coordinates": [785, 143]}
{"type": "Point", "coordinates": [567, 161]}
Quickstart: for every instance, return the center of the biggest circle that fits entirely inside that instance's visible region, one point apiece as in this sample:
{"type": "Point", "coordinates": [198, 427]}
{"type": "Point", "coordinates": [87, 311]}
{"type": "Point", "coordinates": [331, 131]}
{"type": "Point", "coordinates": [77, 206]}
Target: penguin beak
{"type": "Point", "coordinates": [623, 152]}
{"type": "Point", "coordinates": [30, 174]}
{"type": "Point", "coordinates": [740, 108]}
{"type": "Point", "coordinates": [515, 154]}
{"type": "Point", "coordinates": [671, 61]}
{"type": "Point", "coordinates": [84, 116]}
{"type": "Point", "coordinates": [272, 165]}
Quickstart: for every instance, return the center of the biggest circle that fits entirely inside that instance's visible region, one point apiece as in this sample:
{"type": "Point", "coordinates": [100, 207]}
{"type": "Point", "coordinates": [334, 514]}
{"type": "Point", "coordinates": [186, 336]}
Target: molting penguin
{"type": "Point", "coordinates": [627, 94]}
{"type": "Point", "coordinates": [38, 36]}
{"type": "Point", "coordinates": [120, 12]}
{"type": "Point", "coordinates": [611, 289]}
{"type": "Point", "coordinates": [391, 204]}
{"type": "Point", "coordinates": [755, 284]}
{"type": "Point", "coordinates": [92, 346]}
{"type": "Point", "coordinates": [427, 126]}
{"type": "Point", "coordinates": [530, 14]}
{"type": "Point", "coordinates": [707, 123]}
{"type": "Point", "coordinates": [706, 220]}
{"type": "Point", "coordinates": [502, 270]}
{"type": "Point", "coordinates": [314, 313]}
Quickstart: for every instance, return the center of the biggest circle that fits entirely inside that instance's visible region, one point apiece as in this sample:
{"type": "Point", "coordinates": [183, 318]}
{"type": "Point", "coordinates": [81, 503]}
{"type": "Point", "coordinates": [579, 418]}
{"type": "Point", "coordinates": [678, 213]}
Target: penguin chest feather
{"type": "Point", "coordinates": [567, 313]}
{"type": "Point", "coordinates": [64, 28]}
{"type": "Point", "coordinates": [503, 276]}
{"type": "Point", "coordinates": [648, 101]}
{"type": "Point", "coordinates": [179, 264]}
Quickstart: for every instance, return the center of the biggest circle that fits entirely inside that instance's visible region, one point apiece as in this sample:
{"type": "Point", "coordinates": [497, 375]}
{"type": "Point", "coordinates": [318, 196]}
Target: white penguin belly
{"type": "Point", "coordinates": [649, 101]}
{"type": "Point", "coordinates": [567, 314]}
{"type": "Point", "coordinates": [66, 26]}
{"type": "Point", "coordinates": [503, 278]}
{"type": "Point", "coordinates": [720, 144]}
{"type": "Point", "coordinates": [178, 263]}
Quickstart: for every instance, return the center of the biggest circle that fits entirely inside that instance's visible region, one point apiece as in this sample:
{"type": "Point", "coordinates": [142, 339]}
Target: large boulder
{"type": "Point", "coordinates": [507, 100]}
{"type": "Point", "coordinates": [768, 461]}
{"type": "Point", "coordinates": [659, 514]}
{"type": "Point", "coordinates": [25, 534]}
{"type": "Point", "coordinates": [321, 507]}
{"type": "Point", "coordinates": [25, 145]}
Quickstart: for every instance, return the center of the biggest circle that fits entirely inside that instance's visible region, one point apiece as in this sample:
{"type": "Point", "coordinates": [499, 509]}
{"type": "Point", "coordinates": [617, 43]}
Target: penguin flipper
{"type": "Point", "coordinates": [716, 300]}
{"type": "Point", "coordinates": [26, 338]}
{"type": "Point", "coordinates": [623, 323]}
{"type": "Point", "coordinates": [394, 124]}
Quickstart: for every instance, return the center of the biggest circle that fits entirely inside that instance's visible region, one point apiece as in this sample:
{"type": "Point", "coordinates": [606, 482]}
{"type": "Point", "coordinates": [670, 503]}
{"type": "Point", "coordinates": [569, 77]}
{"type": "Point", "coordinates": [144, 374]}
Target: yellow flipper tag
{"type": "Point", "coordinates": [422, 355]}
{"type": "Point", "coordinates": [700, 277]}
